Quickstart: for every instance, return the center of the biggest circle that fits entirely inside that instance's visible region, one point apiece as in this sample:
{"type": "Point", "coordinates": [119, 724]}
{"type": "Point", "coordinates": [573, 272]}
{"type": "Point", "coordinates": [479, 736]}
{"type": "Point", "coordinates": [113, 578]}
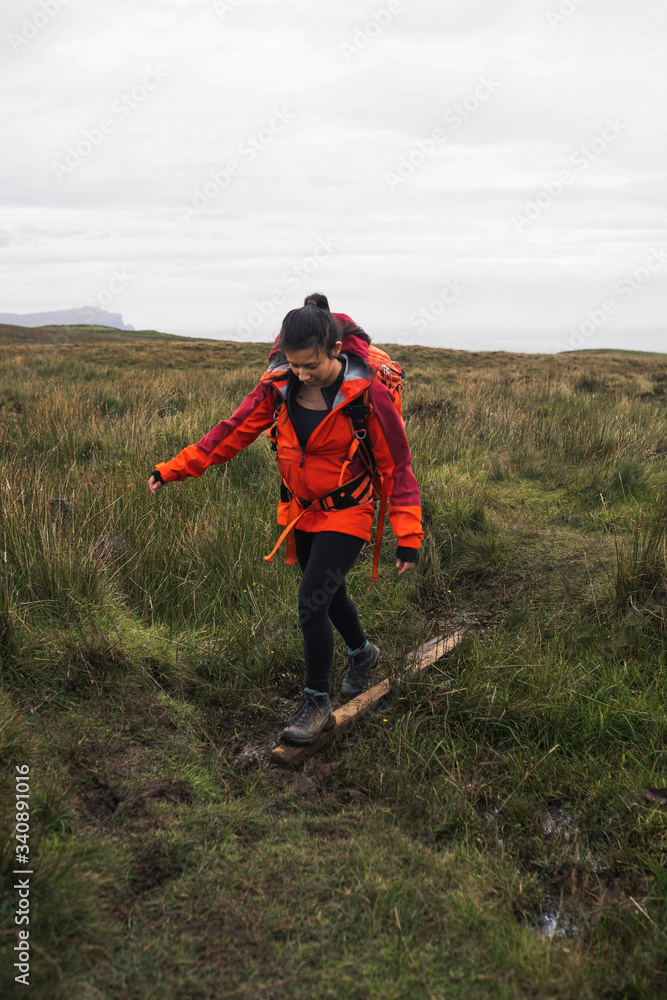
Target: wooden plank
{"type": "Point", "coordinates": [432, 650]}
{"type": "Point", "coordinates": [292, 756]}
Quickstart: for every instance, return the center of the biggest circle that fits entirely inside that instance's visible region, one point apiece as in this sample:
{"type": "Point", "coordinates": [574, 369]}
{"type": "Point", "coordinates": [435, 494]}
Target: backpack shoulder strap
{"type": "Point", "coordinates": [272, 432]}
{"type": "Point", "coordinates": [357, 412]}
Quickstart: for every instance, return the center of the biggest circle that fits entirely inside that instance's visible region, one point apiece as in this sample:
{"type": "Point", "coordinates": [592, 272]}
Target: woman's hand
{"type": "Point", "coordinates": [402, 565]}
{"type": "Point", "coordinates": [154, 484]}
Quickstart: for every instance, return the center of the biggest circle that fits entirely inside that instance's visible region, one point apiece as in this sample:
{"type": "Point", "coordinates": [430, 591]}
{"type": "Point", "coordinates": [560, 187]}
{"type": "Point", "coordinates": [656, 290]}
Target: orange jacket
{"type": "Point", "coordinates": [314, 471]}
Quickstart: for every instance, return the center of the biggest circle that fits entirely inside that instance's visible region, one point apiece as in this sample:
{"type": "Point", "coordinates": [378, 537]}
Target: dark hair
{"type": "Point", "coordinates": [315, 326]}
{"type": "Point", "coordinates": [309, 326]}
{"type": "Point", "coordinates": [317, 299]}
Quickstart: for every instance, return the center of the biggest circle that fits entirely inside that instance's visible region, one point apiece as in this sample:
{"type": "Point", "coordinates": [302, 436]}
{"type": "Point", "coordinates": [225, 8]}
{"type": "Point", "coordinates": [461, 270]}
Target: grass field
{"type": "Point", "coordinates": [484, 834]}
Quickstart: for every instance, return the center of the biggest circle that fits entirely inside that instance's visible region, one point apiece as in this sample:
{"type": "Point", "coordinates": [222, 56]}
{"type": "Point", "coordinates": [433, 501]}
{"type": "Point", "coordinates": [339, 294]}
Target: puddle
{"type": "Point", "coordinates": [558, 823]}
{"type": "Point", "coordinates": [464, 620]}
{"type": "Point", "coordinates": [469, 618]}
{"type": "Point", "coordinates": [556, 924]}
{"type": "Point", "coordinates": [557, 919]}
{"type": "Point", "coordinates": [568, 907]}
{"type": "Point", "coordinates": [473, 620]}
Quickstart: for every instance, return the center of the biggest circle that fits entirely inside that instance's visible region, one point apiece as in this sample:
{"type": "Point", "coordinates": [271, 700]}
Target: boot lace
{"type": "Point", "coordinates": [305, 710]}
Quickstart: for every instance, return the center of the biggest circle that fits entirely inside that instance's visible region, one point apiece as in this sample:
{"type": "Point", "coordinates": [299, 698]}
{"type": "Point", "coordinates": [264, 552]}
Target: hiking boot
{"type": "Point", "coordinates": [312, 717]}
{"type": "Point", "coordinates": [359, 666]}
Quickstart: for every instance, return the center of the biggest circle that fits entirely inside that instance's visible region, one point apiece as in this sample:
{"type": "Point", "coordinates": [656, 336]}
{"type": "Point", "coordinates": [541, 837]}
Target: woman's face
{"type": "Point", "coordinates": [313, 367]}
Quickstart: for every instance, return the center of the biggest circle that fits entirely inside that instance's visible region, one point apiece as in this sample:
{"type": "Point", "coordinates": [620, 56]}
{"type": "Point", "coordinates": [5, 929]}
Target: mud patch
{"type": "Point", "coordinates": [102, 802]}
{"type": "Point", "coordinates": [306, 783]}
{"type": "Point", "coordinates": [472, 620]}
{"type": "Point", "coordinates": [99, 802]}
{"type": "Point", "coordinates": [254, 752]}
{"type": "Point", "coordinates": [170, 791]}
{"type": "Point", "coordinates": [103, 769]}
{"type": "Point", "coordinates": [440, 624]}
{"type": "Point", "coordinates": [253, 748]}
{"type": "Point", "coordinates": [656, 795]}
{"type": "Point", "coordinates": [113, 762]}
{"type": "Point", "coordinates": [569, 902]}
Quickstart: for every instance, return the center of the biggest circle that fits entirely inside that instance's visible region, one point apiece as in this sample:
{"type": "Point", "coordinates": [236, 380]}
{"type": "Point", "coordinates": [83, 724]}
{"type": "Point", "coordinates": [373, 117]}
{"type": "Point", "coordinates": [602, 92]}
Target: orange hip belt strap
{"type": "Point", "coordinates": [378, 533]}
{"type": "Point", "coordinates": [355, 493]}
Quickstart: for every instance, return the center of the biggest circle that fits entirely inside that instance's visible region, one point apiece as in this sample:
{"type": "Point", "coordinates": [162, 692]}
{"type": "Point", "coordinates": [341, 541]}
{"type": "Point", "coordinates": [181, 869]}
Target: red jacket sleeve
{"type": "Point", "coordinates": [392, 454]}
{"type": "Point", "coordinates": [226, 439]}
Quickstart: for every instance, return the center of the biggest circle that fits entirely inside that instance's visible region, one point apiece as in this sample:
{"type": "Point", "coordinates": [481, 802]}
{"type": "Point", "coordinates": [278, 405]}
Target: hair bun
{"type": "Point", "coordinates": [317, 299]}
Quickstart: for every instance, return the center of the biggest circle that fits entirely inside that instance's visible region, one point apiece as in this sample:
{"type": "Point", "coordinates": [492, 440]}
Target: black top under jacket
{"type": "Point", "coordinates": [303, 419]}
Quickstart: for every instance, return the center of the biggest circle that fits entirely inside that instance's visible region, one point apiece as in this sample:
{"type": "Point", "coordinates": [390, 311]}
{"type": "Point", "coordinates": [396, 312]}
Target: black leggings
{"type": "Point", "coordinates": [325, 557]}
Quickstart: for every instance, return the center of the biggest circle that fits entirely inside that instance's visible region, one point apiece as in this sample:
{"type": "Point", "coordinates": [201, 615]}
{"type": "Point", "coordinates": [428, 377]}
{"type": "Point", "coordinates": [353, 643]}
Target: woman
{"type": "Point", "coordinates": [317, 366]}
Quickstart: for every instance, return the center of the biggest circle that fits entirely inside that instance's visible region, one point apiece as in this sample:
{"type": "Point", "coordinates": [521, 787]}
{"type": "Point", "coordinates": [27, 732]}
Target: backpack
{"type": "Point", "coordinates": [392, 375]}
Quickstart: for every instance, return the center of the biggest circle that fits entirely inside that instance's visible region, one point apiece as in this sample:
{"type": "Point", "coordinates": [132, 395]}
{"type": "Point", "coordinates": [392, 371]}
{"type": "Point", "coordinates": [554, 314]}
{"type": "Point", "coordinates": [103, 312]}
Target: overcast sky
{"type": "Point", "coordinates": [487, 174]}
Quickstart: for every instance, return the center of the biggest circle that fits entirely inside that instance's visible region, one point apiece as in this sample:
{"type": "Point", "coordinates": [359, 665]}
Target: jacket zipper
{"type": "Point", "coordinates": [322, 422]}
{"type": "Point", "coordinates": [329, 414]}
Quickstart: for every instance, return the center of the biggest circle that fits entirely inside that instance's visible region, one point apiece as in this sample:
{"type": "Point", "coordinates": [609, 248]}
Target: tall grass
{"type": "Point", "coordinates": [144, 641]}
{"type": "Point", "coordinates": [641, 571]}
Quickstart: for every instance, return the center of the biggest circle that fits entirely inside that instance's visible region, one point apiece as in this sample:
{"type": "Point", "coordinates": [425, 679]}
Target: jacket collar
{"type": "Point", "coordinates": [329, 392]}
{"type": "Point", "coordinates": [356, 376]}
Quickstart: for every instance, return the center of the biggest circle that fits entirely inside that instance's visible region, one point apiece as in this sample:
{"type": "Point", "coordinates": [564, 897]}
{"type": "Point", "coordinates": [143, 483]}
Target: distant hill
{"type": "Point", "coordinates": [67, 317]}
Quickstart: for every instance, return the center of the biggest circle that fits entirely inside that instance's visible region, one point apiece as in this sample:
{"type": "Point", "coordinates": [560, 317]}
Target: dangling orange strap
{"type": "Point", "coordinates": [378, 534]}
{"type": "Point", "coordinates": [358, 492]}
{"type": "Point", "coordinates": [288, 533]}
{"type": "Point", "coordinates": [290, 549]}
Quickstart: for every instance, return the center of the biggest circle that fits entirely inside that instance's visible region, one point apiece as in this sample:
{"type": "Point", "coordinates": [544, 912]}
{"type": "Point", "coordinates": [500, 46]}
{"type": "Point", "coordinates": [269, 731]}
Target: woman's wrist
{"type": "Point", "coordinates": [406, 554]}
